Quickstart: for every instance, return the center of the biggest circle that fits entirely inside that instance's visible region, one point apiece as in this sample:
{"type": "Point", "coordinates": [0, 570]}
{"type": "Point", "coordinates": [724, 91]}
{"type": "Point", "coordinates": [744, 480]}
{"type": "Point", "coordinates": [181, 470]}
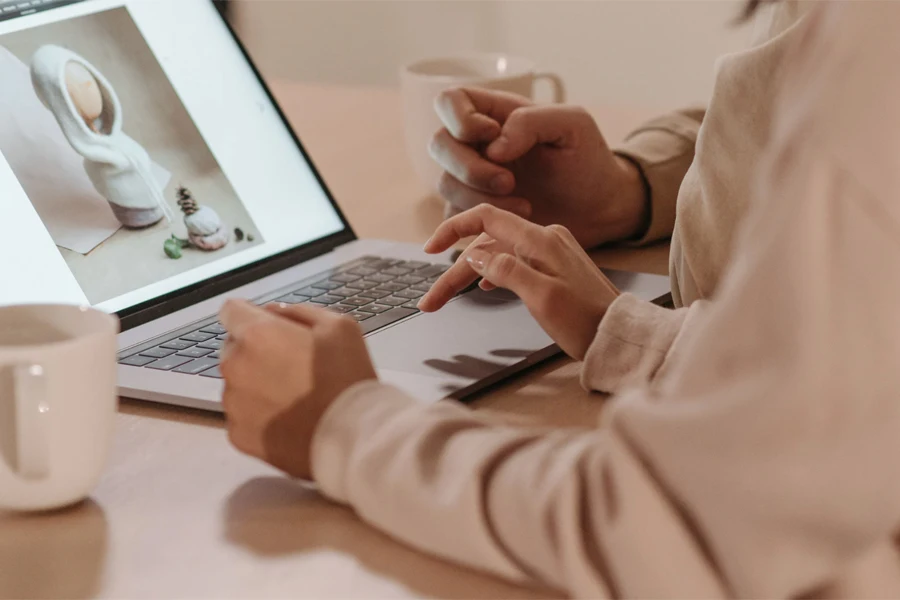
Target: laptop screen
{"type": "Point", "coordinates": [139, 154]}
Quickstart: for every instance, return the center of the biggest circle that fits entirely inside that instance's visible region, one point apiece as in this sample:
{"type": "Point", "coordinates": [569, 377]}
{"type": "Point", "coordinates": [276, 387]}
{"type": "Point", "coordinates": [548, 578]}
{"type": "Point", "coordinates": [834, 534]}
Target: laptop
{"type": "Point", "coordinates": [148, 172]}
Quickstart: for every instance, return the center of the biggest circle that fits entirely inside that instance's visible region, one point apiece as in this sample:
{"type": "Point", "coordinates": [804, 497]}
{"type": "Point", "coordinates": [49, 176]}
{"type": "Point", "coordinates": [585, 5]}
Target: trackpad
{"type": "Point", "coordinates": [472, 338]}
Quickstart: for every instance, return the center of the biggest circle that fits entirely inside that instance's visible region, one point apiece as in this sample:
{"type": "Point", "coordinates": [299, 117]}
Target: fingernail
{"type": "Point", "coordinates": [498, 146]}
{"type": "Point", "coordinates": [427, 243]}
{"type": "Point", "coordinates": [502, 182]}
{"type": "Point", "coordinates": [478, 259]}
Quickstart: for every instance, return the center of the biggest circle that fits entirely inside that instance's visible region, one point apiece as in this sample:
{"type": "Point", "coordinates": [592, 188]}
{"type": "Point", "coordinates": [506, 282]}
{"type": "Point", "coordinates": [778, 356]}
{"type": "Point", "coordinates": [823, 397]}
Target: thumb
{"type": "Point", "coordinates": [530, 126]}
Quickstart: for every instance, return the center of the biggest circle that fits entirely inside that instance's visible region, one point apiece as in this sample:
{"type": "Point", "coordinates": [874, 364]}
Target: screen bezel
{"type": "Point", "coordinates": [213, 286]}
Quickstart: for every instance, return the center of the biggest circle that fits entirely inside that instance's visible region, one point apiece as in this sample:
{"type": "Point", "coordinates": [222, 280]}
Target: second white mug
{"type": "Point", "coordinates": [422, 81]}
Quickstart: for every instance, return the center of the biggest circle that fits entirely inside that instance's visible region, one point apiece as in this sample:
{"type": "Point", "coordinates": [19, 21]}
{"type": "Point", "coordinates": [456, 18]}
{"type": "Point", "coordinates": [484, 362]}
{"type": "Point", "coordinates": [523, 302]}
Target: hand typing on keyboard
{"type": "Point", "coordinates": [283, 367]}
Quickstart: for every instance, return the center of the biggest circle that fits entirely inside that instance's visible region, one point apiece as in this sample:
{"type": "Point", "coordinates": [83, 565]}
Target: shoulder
{"type": "Point", "coordinates": [841, 88]}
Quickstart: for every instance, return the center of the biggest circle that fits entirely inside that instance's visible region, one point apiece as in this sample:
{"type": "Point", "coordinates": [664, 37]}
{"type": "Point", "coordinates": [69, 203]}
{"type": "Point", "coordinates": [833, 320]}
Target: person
{"type": "Point", "coordinates": [752, 455]}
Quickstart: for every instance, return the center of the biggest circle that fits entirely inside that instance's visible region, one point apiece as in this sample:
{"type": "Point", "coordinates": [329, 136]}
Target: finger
{"type": "Point", "coordinates": [453, 281]}
{"type": "Point", "coordinates": [486, 285]}
{"type": "Point", "coordinates": [463, 197]}
{"type": "Point", "coordinates": [476, 115]}
{"type": "Point", "coordinates": [505, 227]}
{"type": "Point", "coordinates": [236, 315]}
{"type": "Point", "coordinates": [468, 166]}
{"type": "Point", "coordinates": [304, 314]}
{"type": "Point", "coordinates": [510, 272]}
{"type": "Point", "coordinates": [531, 126]}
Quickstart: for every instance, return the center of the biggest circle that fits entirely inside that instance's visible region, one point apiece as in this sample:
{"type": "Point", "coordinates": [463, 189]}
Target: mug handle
{"type": "Point", "coordinates": [559, 88]}
{"type": "Point", "coordinates": [32, 421]}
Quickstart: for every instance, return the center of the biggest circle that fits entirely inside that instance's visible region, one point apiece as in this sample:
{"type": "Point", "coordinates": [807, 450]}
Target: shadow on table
{"type": "Point", "coordinates": [56, 554]}
{"type": "Point", "coordinates": [273, 516]}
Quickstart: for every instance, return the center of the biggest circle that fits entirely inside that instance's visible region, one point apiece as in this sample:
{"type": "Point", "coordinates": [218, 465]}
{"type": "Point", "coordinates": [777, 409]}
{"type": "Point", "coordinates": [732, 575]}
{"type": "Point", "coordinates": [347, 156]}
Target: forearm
{"type": "Point", "coordinates": [634, 341]}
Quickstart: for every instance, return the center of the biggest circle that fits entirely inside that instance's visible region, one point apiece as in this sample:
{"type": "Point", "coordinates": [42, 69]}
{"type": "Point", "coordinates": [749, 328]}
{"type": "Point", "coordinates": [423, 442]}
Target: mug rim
{"type": "Point", "coordinates": [110, 324]}
{"type": "Point", "coordinates": [407, 70]}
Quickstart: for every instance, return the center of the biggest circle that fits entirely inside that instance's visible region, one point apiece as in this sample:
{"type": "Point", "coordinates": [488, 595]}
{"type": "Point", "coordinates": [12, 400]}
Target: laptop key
{"type": "Point", "coordinates": [432, 271]}
{"type": "Point", "coordinates": [411, 294]}
{"type": "Point", "coordinates": [345, 277]}
{"type": "Point", "coordinates": [393, 301]}
{"type": "Point", "coordinates": [326, 299]}
{"type": "Point", "coordinates": [197, 336]}
{"type": "Point", "coordinates": [392, 287]}
{"type": "Point", "coordinates": [177, 344]}
{"type": "Point", "coordinates": [362, 284]}
{"type": "Point", "coordinates": [137, 360]}
{"type": "Point", "coordinates": [374, 308]}
{"type": "Point", "coordinates": [412, 305]}
{"type": "Point", "coordinates": [409, 279]}
{"type": "Point", "coordinates": [356, 301]}
{"type": "Point", "coordinates": [385, 318]}
{"type": "Point", "coordinates": [421, 287]}
{"type": "Point", "coordinates": [215, 355]}
{"type": "Point", "coordinates": [212, 344]}
{"type": "Point", "coordinates": [374, 294]}
{"type": "Point", "coordinates": [310, 292]}
{"type": "Point", "coordinates": [292, 299]}
{"type": "Point", "coordinates": [360, 316]}
{"type": "Point", "coordinates": [214, 372]}
{"type": "Point", "coordinates": [362, 271]}
{"type": "Point", "coordinates": [196, 367]}
{"type": "Point", "coordinates": [222, 337]}
{"type": "Point", "coordinates": [344, 292]}
{"type": "Point", "coordinates": [215, 328]}
{"type": "Point", "coordinates": [414, 264]}
{"type": "Point", "coordinates": [158, 352]}
{"type": "Point", "coordinates": [327, 284]}
{"type": "Point", "coordinates": [340, 308]}
{"type": "Point", "coordinates": [196, 352]}
{"type": "Point", "coordinates": [380, 277]}
{"type": "Point", "coordinates": [396, 271]}
{"type": "Point", "coordinates": [168, 363]}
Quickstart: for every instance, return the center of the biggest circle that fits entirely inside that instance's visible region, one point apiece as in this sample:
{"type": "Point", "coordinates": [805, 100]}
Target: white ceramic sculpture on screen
{"type": "Point", "coordinates": [88, 111]}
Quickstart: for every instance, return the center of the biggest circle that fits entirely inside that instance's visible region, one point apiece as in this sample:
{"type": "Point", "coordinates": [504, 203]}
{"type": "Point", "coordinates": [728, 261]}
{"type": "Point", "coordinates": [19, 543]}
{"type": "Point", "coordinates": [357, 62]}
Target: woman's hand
{"type": "Point", "coordinates": [283, 367]}
{"type": "Point", "coordinates": [547, 163]}
{"type": "Point", "coordinates": [545, 266]}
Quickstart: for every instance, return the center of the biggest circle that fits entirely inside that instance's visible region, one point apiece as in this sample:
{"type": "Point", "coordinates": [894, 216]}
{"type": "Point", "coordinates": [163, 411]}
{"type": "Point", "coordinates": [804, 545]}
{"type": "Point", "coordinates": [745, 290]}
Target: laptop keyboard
{"type": "Point", "coordinates": [374, 291]}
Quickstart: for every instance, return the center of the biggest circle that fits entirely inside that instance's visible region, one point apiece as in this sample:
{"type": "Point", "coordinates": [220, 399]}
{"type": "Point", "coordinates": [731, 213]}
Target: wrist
{"type": "Point", "coordinates": [628, 214]}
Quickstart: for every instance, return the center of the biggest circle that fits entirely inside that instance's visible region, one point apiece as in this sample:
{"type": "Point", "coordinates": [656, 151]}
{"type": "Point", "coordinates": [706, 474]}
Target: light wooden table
{"type": "Point", "coordinates": [180, 514]}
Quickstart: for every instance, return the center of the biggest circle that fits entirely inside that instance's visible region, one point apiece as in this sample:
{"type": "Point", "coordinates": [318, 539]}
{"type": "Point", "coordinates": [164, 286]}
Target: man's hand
{"type": "Point", "coordinates": [283, 367]}
{"type": "Point", "coordinates": [547, 163]}
{"type": "Point", "coordinates": [563, 289]}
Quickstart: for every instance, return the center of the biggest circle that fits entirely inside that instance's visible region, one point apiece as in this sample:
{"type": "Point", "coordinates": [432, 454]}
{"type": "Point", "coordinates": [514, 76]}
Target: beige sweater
{"type": "Point", "coordinates": [752, 448]}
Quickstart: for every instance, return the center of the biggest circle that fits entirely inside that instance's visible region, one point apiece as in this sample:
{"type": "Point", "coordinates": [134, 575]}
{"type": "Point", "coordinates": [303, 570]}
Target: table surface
{"type": "Point", "coordinates": [180, 514]}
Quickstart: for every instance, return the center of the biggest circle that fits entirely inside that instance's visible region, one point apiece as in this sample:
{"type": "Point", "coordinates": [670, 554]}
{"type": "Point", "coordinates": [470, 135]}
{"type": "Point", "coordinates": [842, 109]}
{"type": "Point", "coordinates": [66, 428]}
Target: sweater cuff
{"type": "Point", "coordinates": [632, 343]}
{"type": "Point", "coordinates": [663, 150]}
{"type": "Point", "coordinates": [342, 424]}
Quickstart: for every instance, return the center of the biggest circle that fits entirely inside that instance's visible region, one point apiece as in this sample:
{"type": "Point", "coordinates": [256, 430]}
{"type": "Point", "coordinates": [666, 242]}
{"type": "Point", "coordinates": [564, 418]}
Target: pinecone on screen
{"type": "Point", "coordinates": [186, 201]}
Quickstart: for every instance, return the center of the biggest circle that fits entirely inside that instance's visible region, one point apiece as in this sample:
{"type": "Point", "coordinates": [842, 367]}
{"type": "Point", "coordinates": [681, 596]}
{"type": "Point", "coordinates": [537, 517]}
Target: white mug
{"type": "Point", "coordinates": [57, 403]}
{"type": "Point", "coordinates": [424, 80]}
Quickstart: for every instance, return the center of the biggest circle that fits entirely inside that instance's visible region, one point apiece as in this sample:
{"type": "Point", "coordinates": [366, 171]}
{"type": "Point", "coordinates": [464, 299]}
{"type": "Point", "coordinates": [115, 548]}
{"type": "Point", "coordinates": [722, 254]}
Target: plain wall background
{"type": "Point", "coordinates": [647, 53]}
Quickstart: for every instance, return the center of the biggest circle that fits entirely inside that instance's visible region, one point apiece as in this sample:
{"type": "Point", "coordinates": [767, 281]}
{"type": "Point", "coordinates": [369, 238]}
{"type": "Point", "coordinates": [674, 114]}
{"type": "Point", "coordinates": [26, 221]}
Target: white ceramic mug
{"type": "Point", "coordinates": [422, 81]}
{"type": "Point", "coordinates": [57, 403]}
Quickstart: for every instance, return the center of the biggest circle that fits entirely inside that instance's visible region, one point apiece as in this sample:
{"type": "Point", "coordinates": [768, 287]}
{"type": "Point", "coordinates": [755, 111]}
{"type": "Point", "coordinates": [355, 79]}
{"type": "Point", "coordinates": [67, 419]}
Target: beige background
{"type": "Point", "coordinates": [654, 54]}
{"type": "Point", "coordinates": [155, 118]}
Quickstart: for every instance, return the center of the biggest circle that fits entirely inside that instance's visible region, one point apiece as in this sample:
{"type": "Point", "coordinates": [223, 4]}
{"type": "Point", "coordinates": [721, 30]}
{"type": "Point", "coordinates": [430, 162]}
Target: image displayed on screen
{"type": "Point", "coordinates": [109, 157]}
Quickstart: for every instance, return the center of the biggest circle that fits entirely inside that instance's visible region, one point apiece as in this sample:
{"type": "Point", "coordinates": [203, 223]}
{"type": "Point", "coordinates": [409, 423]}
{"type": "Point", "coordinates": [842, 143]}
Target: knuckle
{"type": "Point", "coordinates": [446, 185]}
{"type": "Point", "coordinates": [561, 232]}
{"type": "Point", "coordinates": [503, 266]}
